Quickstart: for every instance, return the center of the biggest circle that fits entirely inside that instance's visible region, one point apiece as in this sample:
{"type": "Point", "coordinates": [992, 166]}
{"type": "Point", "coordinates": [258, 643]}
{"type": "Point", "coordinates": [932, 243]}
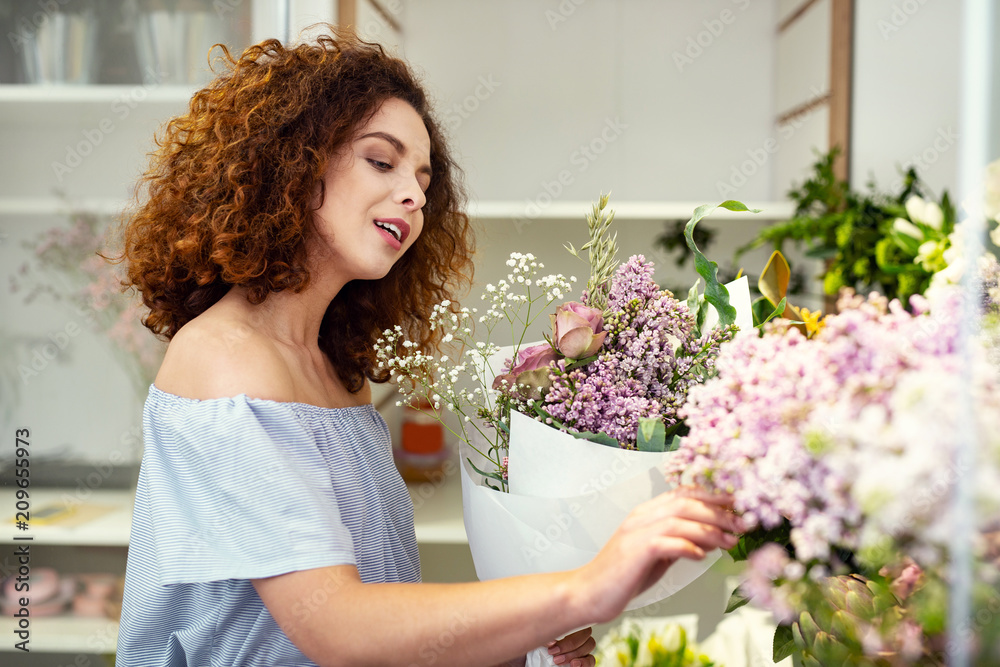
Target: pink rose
{"type": "Point", "coordinates": [532, 369]}
{"type": "Point", "coordinates": [578, 330]}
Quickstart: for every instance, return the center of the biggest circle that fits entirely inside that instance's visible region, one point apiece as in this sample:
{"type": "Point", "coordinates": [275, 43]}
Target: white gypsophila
{"type": "Point", "coordinates": [515, 302]}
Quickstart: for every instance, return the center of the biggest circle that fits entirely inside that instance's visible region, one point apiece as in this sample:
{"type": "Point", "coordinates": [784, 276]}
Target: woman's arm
{"type": "Point", "coordinates": [336, 620]}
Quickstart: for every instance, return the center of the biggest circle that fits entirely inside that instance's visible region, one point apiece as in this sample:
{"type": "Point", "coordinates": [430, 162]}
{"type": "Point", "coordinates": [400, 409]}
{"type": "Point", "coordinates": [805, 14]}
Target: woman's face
{"type": "Point", "coordinates": [375, 186]}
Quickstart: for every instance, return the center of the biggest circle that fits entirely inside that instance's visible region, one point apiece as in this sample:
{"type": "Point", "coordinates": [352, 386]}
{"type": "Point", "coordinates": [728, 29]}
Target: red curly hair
{"type": "Point", "coordinates": [229, 196]}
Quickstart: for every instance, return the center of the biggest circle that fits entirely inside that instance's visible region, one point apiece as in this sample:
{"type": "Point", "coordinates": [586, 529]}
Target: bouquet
{"type": "Point", "coordinates": [840, 449]}
{"type": "Point", "coordinates": [560, 440]}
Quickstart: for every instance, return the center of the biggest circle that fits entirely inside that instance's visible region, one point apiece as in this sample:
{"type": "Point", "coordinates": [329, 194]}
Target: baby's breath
{"type": "Point", "coordinates": [513, 303]}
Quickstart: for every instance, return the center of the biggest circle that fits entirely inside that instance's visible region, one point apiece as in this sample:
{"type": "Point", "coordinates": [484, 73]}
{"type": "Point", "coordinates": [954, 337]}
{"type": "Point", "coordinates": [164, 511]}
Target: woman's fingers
{"type": "Point", "coordinates": [570, 642]}
{"type": "Point", "coordinates": [690, 506]}
{"type": "Point", "coordinates": [573, 649]}
{"type": "Point", "coordinates": [576, 656]}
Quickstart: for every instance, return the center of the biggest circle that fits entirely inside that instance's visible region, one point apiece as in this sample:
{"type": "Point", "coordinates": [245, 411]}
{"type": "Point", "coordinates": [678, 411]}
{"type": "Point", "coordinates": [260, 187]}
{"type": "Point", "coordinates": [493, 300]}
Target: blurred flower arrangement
{"type": "Point", "coordinates": [615, 367]}
{"type": "Point", "coordinates": [909, 231]}
{"type": "Point", "coordinates": [635, 645]}
{"type": "Point", "coordinates": [839, 444]}
{"type": "Point", "coordinates": [65, 267]}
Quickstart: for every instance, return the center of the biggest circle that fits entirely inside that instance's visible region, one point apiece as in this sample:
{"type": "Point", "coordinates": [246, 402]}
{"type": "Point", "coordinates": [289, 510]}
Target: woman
{"type": "Point", "coordinates": [305, 203]}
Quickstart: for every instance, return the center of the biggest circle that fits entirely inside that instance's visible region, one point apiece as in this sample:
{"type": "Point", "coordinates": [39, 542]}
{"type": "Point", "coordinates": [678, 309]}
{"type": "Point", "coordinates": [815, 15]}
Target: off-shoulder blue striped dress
{"type": "Point", "coordinates": [234, 489]}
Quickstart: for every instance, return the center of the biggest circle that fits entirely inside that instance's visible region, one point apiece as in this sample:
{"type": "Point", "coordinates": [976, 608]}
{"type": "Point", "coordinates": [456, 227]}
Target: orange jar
{"type": "Point", "coordinates": [421, 454]}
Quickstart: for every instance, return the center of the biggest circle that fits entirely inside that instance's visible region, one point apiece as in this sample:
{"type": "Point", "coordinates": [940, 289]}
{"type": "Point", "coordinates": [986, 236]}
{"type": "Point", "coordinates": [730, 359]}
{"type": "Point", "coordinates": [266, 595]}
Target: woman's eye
{"type": "Point", "coordinates": [378, 164]}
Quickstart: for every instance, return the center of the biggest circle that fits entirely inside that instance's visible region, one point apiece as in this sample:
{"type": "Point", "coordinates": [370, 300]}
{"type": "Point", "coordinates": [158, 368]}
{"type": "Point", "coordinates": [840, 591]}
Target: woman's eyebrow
{"type": "Point", "coordinates": [398, 145]}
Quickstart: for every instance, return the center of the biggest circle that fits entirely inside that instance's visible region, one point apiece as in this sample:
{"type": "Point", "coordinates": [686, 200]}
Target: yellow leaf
{"type": "Point", "coordinates": [773, 281]}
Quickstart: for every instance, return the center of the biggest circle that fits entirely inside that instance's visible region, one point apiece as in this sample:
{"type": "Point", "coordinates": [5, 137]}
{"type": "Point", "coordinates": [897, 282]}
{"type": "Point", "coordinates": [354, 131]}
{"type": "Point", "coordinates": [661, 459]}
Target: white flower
{"type": "Point", "coordinates": [904, 226]}
{"type": "Point", "coordinates": [926, 212]}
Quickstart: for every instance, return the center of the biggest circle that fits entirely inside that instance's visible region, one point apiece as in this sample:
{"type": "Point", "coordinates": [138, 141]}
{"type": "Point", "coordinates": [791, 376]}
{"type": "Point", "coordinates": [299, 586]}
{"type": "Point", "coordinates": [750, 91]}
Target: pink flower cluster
{"type": "Point", "coordinates": [650, 359]}
{"type": "Point", "coordinates": [849, 436]}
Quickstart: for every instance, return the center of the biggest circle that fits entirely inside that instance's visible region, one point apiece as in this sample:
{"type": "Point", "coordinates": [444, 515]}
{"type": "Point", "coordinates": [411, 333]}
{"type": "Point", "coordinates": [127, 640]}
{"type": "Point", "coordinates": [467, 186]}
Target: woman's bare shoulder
{"type": "Point", "coordinates": [219, 354]}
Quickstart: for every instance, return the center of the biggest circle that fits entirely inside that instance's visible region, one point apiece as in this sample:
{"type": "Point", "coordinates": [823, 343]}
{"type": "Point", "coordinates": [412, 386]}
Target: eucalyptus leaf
{"type": "Point", "coordinates": [651, 435]}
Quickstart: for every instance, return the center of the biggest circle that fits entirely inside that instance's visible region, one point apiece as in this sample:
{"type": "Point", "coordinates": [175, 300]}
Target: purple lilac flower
{"type": "Point", "coordinates": [650, 360]}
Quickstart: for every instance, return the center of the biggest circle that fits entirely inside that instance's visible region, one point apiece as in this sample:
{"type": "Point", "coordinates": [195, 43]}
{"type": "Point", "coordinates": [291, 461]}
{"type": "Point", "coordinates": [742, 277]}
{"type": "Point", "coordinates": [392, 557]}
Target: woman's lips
{"type": "Point", "coordinates": [400, 225]}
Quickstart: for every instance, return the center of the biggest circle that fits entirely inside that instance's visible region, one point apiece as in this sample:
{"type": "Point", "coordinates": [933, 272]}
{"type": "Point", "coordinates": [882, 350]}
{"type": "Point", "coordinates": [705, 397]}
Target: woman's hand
{"type": "Point", "coordinates": [574, 650]}
{"type": "Point", "coordinates": [683, 523]}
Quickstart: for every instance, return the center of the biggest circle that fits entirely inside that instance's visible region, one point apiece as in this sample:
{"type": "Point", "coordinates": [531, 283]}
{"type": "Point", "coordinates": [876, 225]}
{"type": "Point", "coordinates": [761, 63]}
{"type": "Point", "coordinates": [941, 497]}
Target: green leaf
{"type": "Point", "coordinates": [784, 643]}
{"type": "Point", "coordinates": [675, 444]}
{"type": "Point", "coordinates": [693, 297]}
{"type": "Point", "coordinates": [490, 475]}
{"type": "Point", "coordinates": [780, 309]}
{"type": "Point", "coordinates": [822, 252]}
{"type": "Point", "coordinates": [761, 308]}
{"type": "Point", "coordinates": [715, 292]}
{"type": "Point", "coordinates": [651, 435]}
{"type": "Point", "coordinates": [599, 438]}
{"type": "Point", "coordinates": [581, 362]}
{"type": "Point", "coordinates": [736, 600]}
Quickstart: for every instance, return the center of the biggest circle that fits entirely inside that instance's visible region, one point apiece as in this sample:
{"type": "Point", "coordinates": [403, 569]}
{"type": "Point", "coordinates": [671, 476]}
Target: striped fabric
{"type": "Point", "coordinates": [233, 489]}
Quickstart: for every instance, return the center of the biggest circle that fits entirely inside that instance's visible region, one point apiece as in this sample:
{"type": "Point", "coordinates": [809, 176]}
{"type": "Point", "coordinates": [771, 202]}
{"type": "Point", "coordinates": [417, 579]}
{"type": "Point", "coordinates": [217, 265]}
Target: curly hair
{"type": "Point", "coordinates": [229, 197]}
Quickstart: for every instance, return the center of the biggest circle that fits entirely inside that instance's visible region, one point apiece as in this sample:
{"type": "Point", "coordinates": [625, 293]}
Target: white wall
{"type": "Point", "coordinates": [906, 85]}
{"type": "Point", "coordinates": [613, 95]}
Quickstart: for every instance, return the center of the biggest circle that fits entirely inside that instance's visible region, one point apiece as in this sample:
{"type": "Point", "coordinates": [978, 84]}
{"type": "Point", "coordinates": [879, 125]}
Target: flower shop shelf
{"type": "Point", "coordinates": [41, 104]}
{"type": "Point", "coordinates": [63, 634]}
{"type": "Point", "coordinates": [625, 210]}
{"type": "Point", "coordinates": [80, 517]}
{"type": "Point", "coordinates": [104, 518]}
